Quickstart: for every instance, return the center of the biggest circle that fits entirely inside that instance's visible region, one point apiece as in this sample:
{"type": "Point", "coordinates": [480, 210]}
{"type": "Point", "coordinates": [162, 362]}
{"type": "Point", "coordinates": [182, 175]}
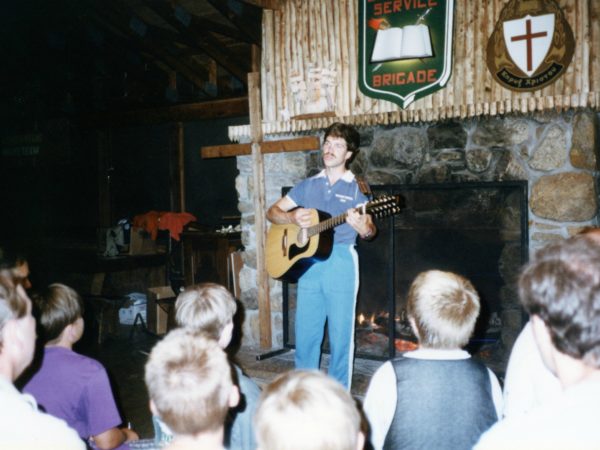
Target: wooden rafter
{"type": "Point", "coordinates": [203, 40]}
{"type": "Point", "coordinates": [192, 71]}
{"type": "Point", "coordinates": [233, 107]}
{"type": "Point", "coordinates": [236, 16]}
{"type": "Point", "coordinates": [201, 22]}
{"type": "Point", "coordinates": [264, 4]}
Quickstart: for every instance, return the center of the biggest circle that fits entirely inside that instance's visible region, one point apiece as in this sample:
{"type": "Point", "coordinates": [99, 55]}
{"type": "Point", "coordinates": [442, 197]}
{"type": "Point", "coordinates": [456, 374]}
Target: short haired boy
{"type": "Point", "coordinates": [435, 396]}
{"type": "Point", "coordinates": [306, 410]}
{"type": "Point", "coordinates": [22, 425]}
{"type": "Point", "coordinates": [191, 388]}
{"type": "Point", "coordinates": [69, 385]}
{"type": "Point", "coordinates": [209, 308]}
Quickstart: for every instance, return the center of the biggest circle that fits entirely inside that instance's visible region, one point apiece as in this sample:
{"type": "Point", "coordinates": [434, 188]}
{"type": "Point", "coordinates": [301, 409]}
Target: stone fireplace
{"type": "Point", "coordinates": [556, 155]}
{"type": "Point", "coordinates": [476, 229]}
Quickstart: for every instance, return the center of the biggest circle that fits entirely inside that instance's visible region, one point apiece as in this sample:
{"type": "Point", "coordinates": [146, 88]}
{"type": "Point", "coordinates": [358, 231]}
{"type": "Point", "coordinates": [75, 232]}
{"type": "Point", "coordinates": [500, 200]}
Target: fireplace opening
{"type": "Point", "coordinates": [476, 229]}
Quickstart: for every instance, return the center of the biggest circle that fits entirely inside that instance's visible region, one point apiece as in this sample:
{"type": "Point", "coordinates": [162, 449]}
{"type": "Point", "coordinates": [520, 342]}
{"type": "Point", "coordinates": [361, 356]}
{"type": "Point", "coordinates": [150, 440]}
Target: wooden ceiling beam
{"type": "Point", "coordinates": [204, 40]}
{"type": "Point", "coordinates": [264, 4]}
{"type": "Point", "coordinates": [195, 74]}
{"type": "Point", "coordinates": [239, 17]}
{"type": "Point", "coordinates": [201, 22]}
{"type": "Point", "coordinates": [213, 109]}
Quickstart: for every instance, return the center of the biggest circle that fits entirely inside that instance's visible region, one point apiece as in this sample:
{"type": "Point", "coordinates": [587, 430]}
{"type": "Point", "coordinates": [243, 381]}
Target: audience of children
{"type": "Point", "coordinates": [434, 397]}
{"type": "Point", "coordinates": [416, 400]}
{"type": "Point", "coordinates": [191, 389]}
{"type": "Point", "coordinates": [307, 410]}
{"type": "Point", "coordinates": [69, 385]}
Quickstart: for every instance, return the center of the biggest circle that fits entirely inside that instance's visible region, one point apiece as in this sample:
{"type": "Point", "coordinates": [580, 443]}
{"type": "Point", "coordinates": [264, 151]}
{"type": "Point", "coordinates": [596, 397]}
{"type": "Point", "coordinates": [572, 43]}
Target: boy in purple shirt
{"type": "Point", "coordinates": [71, 386]}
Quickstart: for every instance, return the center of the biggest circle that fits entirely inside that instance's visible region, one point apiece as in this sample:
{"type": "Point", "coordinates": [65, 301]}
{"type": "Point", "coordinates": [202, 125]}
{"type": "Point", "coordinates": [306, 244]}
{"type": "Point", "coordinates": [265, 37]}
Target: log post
{"type": "Point", "coordinates": [262, 280]}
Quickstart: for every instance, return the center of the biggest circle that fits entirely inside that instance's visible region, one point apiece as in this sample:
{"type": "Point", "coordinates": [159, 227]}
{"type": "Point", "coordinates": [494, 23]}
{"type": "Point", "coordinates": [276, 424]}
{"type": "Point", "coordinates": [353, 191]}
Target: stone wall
{"type": "Point", "coordinates": [557, 153]}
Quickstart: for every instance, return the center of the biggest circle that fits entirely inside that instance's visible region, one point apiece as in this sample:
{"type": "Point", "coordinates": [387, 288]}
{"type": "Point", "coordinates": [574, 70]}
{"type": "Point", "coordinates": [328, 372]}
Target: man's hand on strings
{"type": "Point", "coordinates": [362, 223]}
{"type": "Point", "coordinates": [301, 217]}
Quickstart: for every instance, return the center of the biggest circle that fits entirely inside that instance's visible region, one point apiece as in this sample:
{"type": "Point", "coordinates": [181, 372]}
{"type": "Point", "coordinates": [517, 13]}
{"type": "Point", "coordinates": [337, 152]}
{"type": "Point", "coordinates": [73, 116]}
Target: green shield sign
{"type": "Point", "coordinates": [405, 48]}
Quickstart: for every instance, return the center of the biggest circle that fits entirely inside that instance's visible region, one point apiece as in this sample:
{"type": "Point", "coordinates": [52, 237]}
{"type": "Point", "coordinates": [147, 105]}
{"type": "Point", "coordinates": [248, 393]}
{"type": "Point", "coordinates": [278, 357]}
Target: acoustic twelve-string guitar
{"type": "Point", "coordinates": [291, 250]}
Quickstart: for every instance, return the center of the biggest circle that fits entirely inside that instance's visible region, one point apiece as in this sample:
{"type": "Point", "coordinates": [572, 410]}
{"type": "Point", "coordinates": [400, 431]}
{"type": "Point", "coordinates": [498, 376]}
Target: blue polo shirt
{"type": "Point", "coordinates": [316, 192]}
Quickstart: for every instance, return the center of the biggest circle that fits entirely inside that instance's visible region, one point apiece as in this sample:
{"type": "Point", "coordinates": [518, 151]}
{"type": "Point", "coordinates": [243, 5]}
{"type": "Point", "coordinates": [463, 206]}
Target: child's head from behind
{"type": "Point", "coordinates": [189, 382]}
{"type": "Point", "coordinates": [302, 410]}
{"type": "Point", "coordinates": [208, 308]}
{"type": "Point", "coordinates": [58, 306]}
{"type": "Point", "coordinates": [443, 308]}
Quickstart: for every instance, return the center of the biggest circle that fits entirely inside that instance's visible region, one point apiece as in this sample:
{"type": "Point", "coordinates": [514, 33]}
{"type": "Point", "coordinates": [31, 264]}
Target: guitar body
{"type": "Point", "coordinates": [289, 253]}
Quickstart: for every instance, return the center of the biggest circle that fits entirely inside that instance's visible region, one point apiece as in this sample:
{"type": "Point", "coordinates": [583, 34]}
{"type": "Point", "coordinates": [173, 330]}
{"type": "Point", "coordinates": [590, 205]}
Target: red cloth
{"type": "Point", "coordinates": [152, 221]}
{"type": "Point", "coordinates": [148, 221]}
{"type": "Point", "coordinates": [174, 222]}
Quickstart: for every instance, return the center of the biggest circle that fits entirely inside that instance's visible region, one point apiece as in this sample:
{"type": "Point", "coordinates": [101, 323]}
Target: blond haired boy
{"type": "Point", "coordinates": [435, 396]}
{"type": "Point", "coordinates": [209, 308]}
{"type": "Point", "coordinates": [306, 410]}
{"type": "Point", "coordinates": [191, 388]}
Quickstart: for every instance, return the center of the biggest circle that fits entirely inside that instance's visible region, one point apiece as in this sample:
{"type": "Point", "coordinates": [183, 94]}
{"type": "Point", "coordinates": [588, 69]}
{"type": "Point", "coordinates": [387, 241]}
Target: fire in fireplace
{"type": "Point", "coordinates": [478, 230]}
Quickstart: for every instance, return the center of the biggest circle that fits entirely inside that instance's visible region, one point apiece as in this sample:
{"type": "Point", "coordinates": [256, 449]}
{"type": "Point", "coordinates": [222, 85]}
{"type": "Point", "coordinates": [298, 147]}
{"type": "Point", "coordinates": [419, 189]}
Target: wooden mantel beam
{"type": "Point", "coordinates": [285, 145]}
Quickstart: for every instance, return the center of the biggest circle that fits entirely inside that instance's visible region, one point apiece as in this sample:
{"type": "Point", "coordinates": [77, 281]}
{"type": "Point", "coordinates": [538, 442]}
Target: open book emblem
{"type": "Point", "coordinates": [412, 41]}
{"type": "Point", "coordinates": [405, 48]}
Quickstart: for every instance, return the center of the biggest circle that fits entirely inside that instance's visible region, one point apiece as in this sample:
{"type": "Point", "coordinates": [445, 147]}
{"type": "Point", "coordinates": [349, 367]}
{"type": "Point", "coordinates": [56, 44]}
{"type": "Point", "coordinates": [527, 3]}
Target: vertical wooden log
{"type": "Point", "coordinates": [594, 67]}
{"type": "Point", "coordinates": [104, 174]}
{"type": "Point", "coordinates": [181, 166]}
{"type": "Point", "coordinates": [212, 72]}
{"type": "Point", "coordinates": [262, 280]}
{"type": "Point", "coordinates": [176, 154]}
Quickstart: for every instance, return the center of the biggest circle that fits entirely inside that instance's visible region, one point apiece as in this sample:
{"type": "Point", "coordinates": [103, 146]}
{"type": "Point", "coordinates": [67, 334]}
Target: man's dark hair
{"type": "Point", "coordinates": [562, 287]}
{"type": "Point", "coordinates": [347, 132]}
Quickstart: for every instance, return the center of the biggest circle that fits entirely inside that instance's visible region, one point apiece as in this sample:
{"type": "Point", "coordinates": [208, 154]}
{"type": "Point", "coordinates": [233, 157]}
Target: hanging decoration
{"type": "Point", "coordinates": [405, 48]}
{"type": "Point", "coordinates": [531, 46]}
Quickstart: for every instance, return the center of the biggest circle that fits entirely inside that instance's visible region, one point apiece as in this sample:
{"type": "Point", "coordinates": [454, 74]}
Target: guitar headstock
{"type": "Point", "coordinates": [385, 205]}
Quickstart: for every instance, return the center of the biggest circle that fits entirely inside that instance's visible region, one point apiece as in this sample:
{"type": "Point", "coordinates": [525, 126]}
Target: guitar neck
{"type": "Point", "coordinates": [326, 224]}
{"type": "Point", "coordinates": [378, 208]}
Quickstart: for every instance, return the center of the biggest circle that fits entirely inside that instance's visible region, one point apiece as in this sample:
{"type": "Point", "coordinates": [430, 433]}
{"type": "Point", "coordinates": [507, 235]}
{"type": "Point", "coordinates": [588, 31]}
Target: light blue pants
{"type": "Point", "coordinates": [327, 293]}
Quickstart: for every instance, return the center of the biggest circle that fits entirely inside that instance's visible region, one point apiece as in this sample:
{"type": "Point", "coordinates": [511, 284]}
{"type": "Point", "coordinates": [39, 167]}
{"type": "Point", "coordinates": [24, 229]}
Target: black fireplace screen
{"type": "Point", "coordinates": [478, 230]}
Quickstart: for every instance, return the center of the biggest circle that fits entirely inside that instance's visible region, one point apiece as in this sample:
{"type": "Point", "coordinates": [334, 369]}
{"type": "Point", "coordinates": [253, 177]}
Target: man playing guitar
{"type": "Point", "coordinates": [327, 290]}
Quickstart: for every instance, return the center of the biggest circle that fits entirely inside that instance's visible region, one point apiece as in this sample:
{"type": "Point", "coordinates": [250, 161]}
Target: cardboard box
{"type": "Point", "coordinates": [141, 243]}
{"type": "Point", "coordinates": [160, 312]}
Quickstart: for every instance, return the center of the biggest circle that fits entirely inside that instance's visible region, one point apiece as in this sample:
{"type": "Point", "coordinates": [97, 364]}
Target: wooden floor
{"type": "Point", "coordinates": [124, 354]}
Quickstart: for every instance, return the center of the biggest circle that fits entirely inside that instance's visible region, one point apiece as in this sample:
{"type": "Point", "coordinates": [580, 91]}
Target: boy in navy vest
{"type": "Point", "coordinates": [436, 396]}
